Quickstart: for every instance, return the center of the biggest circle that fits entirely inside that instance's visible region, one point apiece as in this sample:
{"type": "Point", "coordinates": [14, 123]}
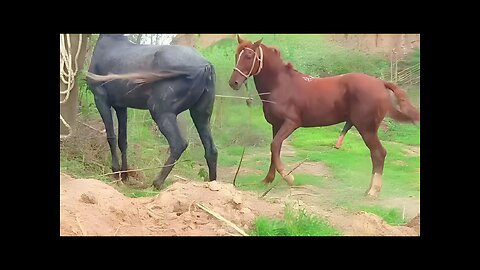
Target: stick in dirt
{"type": "Point", "coordinates": [239, 165]}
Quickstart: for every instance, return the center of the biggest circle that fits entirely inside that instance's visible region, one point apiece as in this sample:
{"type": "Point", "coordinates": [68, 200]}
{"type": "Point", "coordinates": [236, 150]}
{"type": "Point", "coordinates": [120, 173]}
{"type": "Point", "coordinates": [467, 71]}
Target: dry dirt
{"type": "Point", "coordinates": [93, 208]}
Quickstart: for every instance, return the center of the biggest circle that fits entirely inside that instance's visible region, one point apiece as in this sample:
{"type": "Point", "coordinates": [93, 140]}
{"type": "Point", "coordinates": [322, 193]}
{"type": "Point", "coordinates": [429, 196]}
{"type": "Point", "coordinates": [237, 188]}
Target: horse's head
{"type": "Point", "coordinates": [249, 61]}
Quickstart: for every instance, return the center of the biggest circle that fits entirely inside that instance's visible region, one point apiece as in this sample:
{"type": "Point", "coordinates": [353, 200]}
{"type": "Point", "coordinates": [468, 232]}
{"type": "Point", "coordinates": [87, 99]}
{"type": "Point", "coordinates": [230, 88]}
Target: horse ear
{"type": "Point", "coordinates": [257, 43]}
{"type": "Point", "coordinates": [239, 39]}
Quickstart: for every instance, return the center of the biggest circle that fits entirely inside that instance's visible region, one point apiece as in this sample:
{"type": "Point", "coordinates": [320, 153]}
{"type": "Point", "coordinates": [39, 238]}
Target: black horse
{"type": "Point", "coordinates": [166, 80]}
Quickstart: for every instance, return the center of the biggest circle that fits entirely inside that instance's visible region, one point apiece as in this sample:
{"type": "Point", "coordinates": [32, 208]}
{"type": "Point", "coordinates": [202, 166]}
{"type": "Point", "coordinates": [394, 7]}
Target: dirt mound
{"type": "Point", "coordinates": [415, 223]}
{"type": "Point", "coordinates": [91, 207]}
{"type": "Point", "coordinates": [371, 225]}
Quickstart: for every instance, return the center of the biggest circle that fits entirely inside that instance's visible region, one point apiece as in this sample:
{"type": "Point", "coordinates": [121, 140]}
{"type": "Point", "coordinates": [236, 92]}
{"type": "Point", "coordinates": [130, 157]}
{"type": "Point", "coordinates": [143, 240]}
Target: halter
{"type": "Point", "coordinates": [253, 63]}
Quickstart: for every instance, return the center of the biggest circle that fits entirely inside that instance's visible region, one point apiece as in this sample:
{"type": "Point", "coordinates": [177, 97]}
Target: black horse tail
{"type": "Point", "coordinates": [136, 77]}
{"type": "Point", "coordinates": [212, 77]}
{"type": "Point", "coordinates": [203, 79]}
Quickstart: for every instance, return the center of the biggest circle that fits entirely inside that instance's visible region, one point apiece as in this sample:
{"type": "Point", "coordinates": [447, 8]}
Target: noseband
{"type": "Point", "coordinates": [260, 59]}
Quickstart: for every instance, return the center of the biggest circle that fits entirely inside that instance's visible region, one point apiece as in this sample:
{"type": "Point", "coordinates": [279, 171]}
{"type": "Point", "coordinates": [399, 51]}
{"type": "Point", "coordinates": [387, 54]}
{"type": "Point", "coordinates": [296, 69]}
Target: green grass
{"type": "Point", "coordinates": [294, 223]}
{"type": "Point", "coordinates": [392, 216]}
{"type": "Point", "coordinates": [351, 164]}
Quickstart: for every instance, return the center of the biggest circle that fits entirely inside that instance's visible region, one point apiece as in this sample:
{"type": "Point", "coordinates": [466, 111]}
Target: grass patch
{"type": "Point", "coordinates": [294, 223]}
{"type": "Point", "coordinates": [392, 216]}
{"type": "Point", "coordinates": [351, 165]}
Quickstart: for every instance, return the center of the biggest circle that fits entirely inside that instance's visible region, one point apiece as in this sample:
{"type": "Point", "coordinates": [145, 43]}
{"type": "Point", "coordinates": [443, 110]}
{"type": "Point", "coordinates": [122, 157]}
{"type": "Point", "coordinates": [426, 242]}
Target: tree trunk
{"type": "Point", "coordinates": [139, 38]}
{"type": "Point", "coordinates": [68, 110]}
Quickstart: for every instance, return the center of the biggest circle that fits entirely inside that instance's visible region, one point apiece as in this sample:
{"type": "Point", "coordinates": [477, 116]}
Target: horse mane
{"type": "Point", "coordinates": [288, 65]}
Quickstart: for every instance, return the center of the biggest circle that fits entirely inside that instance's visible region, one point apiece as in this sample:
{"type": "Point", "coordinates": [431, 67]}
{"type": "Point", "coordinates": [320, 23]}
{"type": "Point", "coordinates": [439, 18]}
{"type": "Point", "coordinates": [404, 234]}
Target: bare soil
{"type": "Point", "coordinates": [89, 207]}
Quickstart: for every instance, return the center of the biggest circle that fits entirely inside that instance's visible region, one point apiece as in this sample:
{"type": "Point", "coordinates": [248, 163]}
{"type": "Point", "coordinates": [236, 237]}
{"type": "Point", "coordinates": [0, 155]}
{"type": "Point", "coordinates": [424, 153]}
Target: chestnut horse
{"type": "Point", "coordinates": [296, 100]}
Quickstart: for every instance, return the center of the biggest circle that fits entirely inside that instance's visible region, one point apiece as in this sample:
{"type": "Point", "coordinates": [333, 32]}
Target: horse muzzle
{"type": "Point", "coordinates": [236, 84]}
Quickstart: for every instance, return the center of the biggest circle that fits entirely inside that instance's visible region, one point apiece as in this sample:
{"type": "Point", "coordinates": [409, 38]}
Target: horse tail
{"type": "Point", "coordinates": [136, 77]}
{"type": "Point", "coordinates": [212, 77]}
{"type": "Point", "coordinates": [405, 112]}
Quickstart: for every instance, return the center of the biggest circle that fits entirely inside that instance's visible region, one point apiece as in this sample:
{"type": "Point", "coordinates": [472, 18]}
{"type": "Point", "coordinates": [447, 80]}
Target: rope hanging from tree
{"type": "Point", "coordinates": [68, 71]}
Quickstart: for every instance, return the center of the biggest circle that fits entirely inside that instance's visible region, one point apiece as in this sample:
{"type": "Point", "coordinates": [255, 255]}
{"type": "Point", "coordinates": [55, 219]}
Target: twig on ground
{"type": "Point", "coordinates": [115, 234]}
{"type": "Point", "coordinates": [299, 164]}
{"type": "Point", "coordinates": [218, 216]}
{"type": "Point", "coordinates": [80, 225]}
{"type": "Point", "coordinates": [239, 165]}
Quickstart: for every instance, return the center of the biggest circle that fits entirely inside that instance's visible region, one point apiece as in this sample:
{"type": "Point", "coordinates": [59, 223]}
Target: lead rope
{"type": "Point", "coordinates": [68, 71]}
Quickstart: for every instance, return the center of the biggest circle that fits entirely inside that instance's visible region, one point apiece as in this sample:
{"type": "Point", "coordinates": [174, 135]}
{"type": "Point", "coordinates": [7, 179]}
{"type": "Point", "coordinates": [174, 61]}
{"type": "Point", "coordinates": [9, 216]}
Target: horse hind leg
{"type": "Point", "coordinates": [122, 138]}
{"type": "Point", "coordinates": [106, 113]}
{"type": "Point", "coordinates": [168, 126]}
{"type": "Point", "coordinates": [201, 114]}
{"type": "Point", "coordinates": [346, 128]}
{"type": "Point", "coordinates": [377, 154]}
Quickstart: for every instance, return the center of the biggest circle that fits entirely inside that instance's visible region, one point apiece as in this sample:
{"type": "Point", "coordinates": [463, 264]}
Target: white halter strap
{"type": "Point", "coordinates": [260, 59]}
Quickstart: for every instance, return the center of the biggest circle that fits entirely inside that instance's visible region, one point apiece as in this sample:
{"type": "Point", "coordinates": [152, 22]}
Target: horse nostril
{"type": "Point", "coordinates": [236, 82]}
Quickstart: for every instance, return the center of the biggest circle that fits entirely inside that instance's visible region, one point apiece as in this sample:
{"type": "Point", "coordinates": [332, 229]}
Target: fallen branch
{"type": "Point", "coordinates": [239, 165]}
{"type": "Point", "coordinates": [218, 216]}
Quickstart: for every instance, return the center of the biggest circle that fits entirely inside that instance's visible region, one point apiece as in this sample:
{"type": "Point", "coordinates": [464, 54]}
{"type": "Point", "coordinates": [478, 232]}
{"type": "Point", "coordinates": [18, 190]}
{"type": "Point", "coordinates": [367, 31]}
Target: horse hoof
{"type": "Point", "coordinates": [158, 184]}
{"type": "Point", "coordinates": [289, 179]}
{"type": "Point", "coordinates": [372, 193]}
{"type": "Point", "coordinates": [267, 180]}
{"type": "Point", "coordinates": [116, 176]}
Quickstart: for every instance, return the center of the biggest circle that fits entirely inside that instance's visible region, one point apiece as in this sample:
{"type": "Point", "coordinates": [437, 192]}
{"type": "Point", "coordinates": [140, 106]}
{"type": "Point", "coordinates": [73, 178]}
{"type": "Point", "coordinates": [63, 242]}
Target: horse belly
{"type": "Point", "coordinates": [129, 97]}
{"type": "Point", "coordinates": [322, 121]}
{"type": "Point", "coordinates": [322, 114]}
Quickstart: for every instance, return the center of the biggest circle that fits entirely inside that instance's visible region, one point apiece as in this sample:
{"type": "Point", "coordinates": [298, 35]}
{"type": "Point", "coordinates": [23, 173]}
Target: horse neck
{"type": "Point", "coordinates": [273, 66]}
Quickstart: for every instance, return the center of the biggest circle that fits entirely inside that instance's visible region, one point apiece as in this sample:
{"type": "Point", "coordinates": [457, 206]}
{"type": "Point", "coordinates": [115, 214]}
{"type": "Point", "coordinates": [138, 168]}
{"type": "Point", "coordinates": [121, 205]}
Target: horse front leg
{"type": "Point", "coordinates": [167, 123]}
{"type": "Point", "coordinates": [201, 119]}
{"type": "Point", "coordinates": [285, 130]}
{"type": "Point", "coordinates": [271, 170]}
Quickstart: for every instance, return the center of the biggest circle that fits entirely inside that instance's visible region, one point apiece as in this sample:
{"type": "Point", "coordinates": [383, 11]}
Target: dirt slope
{"type": "Point", "coordinates": [93, 208]}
